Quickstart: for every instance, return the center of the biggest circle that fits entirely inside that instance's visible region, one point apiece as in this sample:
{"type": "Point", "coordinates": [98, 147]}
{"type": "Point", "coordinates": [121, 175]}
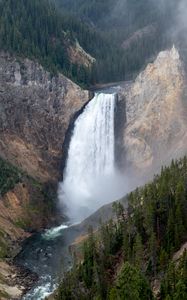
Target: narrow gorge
{"type": "Point", "coordinates": [93, 144]}
{"type": "Point", "coordinates": [91, 179]}
{"type": "Point", "coordinates": [101, 140]}
{"type": "Point", "coordinates": [116, 141]}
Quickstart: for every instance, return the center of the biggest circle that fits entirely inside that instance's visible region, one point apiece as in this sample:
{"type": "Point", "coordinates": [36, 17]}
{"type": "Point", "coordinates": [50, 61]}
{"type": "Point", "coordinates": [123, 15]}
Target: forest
{"type": "Point", "coordinates": [38, 30]}
{"type": "Point", "coordinates": [34, 29]}
{"type": "Point", "coordinates": [131, 252]}
{"type": "Point", "coordinates": [135, 31]}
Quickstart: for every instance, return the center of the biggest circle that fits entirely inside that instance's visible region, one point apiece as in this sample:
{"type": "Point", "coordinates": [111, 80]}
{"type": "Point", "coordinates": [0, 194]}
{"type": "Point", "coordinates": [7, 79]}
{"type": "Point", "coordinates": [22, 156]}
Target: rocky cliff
{"type": "Point", "coordinates": [156, 108]}
{"type": "Point", "coordinates": [23, 209]}
{"type": "Point", "coordinates": [35, 112]}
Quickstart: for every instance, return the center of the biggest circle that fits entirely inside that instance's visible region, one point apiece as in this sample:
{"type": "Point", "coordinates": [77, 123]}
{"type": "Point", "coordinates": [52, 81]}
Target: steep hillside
{"type": "Point", "coordinates": [131, 257]}
{"type": "Point", "coordinates": [107, 14]}
{"type": "Point", "coordinates": [135, 30]}
{"type": "Point", "coordinates": [117, 38]}
{"type": "Point", "coordinates": [156, 121]}
{"type": "Point", "coordinates": [35, 113]}
{"type": "Point", "coordinates": [35, 29]}
{"type": "Point", "coordinates": [26, 206]}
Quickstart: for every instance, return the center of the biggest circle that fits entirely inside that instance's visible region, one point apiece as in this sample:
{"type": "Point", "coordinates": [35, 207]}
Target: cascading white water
{"type": "Point", "coordinates": [90, 174]}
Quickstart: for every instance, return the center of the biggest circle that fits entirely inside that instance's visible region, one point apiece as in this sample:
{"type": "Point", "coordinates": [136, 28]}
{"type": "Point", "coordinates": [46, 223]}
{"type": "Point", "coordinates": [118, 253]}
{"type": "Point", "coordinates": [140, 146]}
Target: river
{"type": "Point", "coordinates": [91, 179]}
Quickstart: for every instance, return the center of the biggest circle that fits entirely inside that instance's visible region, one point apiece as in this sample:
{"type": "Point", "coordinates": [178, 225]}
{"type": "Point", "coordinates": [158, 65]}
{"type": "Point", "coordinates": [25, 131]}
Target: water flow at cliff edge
{"type": "Point", "coordinates": [91, 178]}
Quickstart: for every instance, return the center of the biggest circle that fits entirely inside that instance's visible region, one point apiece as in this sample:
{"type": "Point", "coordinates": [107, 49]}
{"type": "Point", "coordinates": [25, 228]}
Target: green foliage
{"type": "Point", "coordinates": [132, 285]}
{"type": "Point", "coordinates": [117, 22]}
{"type": "Point", "coordinates": [9, 176]}
{"type": "Point", "coordinates": [142, 239]}
{"type": "Point", "coordinates": [174, 284]}
{"type": "Point", "coordinates": [23, 223]}
{"type": "Point", "coordinates": [138, 251]}
{"type": "Point", "coordinates": [88, 266]}
{"type": "Point", "coordinates": [34, 29]}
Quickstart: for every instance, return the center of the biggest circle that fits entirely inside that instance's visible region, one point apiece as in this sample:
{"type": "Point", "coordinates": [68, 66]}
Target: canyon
{"type": "Point", "coordinates": [37, 113]}
{"type": "Point", "coordinates": [36, 110]}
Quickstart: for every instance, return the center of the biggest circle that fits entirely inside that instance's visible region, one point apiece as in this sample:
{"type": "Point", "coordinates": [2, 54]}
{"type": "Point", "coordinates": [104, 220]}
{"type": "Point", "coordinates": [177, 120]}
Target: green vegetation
{"type": "Point", "coordinates": [127, 254]}
{"type": "Point", "coordinates": [174, 284]}
{"type": "Point", "coordinates": [148, 22]}
{"type": "Point", "coordinates": [131, 284]}
{"type": "Point", "coordinates": [9, 176]}
{"type": "Point", "coordinates": [36, 29]}
{"type": "Point", "coordinates": [23, 223]}
{"type": "Point", "coordinates": [39, 205]}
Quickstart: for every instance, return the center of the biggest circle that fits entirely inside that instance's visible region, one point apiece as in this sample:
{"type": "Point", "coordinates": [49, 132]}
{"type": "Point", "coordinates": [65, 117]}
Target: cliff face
{"type": "Point", "coordinates": [35, 112]}
{"type": "Point", "coordinates": [156, 110]}
{"type": "Point", "coordinates": [79, 56]}
{"type": "Point", "coordinates": [23, 209]}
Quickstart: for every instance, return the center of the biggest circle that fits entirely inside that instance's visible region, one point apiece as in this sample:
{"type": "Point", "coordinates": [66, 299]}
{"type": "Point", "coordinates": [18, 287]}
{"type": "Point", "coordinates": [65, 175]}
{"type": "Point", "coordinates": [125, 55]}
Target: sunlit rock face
{"type": "Point", "coordinates": [35, 112]}
{"type": "Point", "coordinates": [156, 109]}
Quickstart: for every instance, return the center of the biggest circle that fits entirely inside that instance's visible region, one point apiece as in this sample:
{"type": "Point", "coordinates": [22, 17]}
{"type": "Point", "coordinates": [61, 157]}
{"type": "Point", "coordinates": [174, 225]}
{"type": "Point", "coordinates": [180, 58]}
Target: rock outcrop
{"type": "Point", "coordinates": [79, 56]}
{"type": "Point", "coordinates": [35, 112]}
{"type": "Point", "coordinates": [156, 109]}
{"type": "Point", "coordinates": [36, 109]}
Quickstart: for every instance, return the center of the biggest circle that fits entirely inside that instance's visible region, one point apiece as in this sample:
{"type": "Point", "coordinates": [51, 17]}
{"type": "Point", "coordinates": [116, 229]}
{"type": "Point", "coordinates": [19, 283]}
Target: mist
{"type": "Point", "coordinates": [80, 200]}
{"type": "Point", "coordinates": [91, 178]}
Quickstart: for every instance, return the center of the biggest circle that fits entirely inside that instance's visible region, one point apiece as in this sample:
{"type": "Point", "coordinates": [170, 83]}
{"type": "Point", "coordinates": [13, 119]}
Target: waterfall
{"type": "Point", "coordinates": [90, 175]}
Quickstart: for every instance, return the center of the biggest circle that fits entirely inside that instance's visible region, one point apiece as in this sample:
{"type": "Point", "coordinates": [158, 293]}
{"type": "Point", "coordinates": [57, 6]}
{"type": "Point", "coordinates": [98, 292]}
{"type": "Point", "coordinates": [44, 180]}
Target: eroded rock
{"type": "Point", "coordinates": [35, 112]}
{"type": "Point", "coordinates": [156, 113]}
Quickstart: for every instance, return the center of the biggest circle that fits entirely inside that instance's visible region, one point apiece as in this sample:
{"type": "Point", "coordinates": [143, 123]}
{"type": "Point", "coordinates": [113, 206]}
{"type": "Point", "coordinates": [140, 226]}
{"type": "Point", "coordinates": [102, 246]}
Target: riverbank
{"type": "Point", "coordinates": [27, 206]}
{"type": "Point", "coordinates": [15, 281]}
{"type": "Point", "coordinates": [50, 254]}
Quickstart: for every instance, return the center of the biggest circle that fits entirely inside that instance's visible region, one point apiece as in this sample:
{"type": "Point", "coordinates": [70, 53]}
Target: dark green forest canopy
{"type": "Point", "coordinates": [123, 259]}
{"type": "Point", "coordinates": [108, 14]}
{"type": "Point", "coordinates": [149, 22]}
{"type": "Point", "coordinates": [37, 30]}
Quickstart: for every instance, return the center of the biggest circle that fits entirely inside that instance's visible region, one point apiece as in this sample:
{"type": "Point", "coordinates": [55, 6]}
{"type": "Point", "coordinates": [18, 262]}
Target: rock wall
{"type": "Point", "coordinates": [35, 112]}
{"type": "Point", "coordinates": [156, 109]}
{"type": "Point", "coordinates": [23, 210]}
{"type": "Point", "coordinates": [14, 281]}
{"type": "Point", "coordinates": [119, 127]}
